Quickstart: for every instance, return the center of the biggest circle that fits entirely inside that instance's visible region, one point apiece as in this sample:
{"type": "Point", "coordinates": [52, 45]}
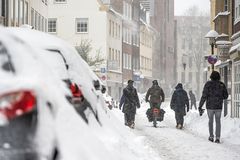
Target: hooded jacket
{"type": "Point", "coordinates": [179, 100]}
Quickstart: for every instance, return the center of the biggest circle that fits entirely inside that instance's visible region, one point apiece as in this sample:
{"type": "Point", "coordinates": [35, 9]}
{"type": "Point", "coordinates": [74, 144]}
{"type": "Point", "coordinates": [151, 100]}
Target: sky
{"type": "Point", "coordinates": [182, 5]}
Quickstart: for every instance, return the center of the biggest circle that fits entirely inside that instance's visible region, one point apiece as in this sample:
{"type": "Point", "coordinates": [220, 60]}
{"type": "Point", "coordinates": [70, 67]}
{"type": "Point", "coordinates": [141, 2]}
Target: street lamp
{"type": "Point", "coordinates": [212, 35]}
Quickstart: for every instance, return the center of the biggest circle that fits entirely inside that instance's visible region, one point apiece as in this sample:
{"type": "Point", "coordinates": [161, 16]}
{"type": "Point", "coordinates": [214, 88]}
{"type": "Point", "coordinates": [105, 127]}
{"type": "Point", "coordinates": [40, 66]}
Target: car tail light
{"type": "Point", "coordinates": [15, 104]}
{"type": "Point", "coordinates": [76, 92]}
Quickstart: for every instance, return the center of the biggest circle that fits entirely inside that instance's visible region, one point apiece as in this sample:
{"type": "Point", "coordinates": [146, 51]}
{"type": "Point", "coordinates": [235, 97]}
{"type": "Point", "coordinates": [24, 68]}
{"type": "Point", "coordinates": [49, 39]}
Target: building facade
{"type": "Point", "coordinates": [18, 12]}
{"type": "Point", "coordinates": [146, 55]}
{"type": "Point", "coordinates": [99, 24]}
{"type": "Point", "coordinates": [235, 60]}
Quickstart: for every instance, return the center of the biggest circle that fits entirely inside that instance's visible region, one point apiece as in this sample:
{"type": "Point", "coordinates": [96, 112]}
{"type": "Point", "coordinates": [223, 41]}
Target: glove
{"type": "Point", "coordinates": [138, 106]}
{"type": "Point", "coordinates": [120, 107]}
{"type": "Point", "coordinates": [187, 109]}
{"type": "Point", "coordinates": [201, 111]}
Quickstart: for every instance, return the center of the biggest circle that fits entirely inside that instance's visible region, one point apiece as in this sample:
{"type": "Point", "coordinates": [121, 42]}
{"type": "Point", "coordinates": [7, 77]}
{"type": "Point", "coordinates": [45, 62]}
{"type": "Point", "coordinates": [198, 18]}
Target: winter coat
{"type": "Point", "coordinates": [192, 97]}
{"type": "Point", "coordinates": [214, 93]}
{"type": "Point", "coordinates": [156, 94]}
{"type": "Point", "coordinates": [130, 100]}
{"type": "Point", "coordinates": [180, 101]}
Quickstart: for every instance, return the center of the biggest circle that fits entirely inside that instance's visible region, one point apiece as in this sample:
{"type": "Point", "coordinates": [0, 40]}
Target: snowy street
{"type": "Point", "coordinates": [170, 143]}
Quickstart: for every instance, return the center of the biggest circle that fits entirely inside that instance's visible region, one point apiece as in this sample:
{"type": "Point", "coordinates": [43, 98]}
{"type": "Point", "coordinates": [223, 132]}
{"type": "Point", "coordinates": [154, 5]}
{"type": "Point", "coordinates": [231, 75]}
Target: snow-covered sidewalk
{"type": "Point", "coordinates": [167, 142]}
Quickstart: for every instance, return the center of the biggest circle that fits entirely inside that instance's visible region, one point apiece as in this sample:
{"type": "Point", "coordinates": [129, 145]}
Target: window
{"type": "Point", "coordinates": [238, 11]}
{"type": "Point", "coordinates": [110, 27]}
{"type": "Point", "coordinates": [16, 13]}
{"type": "Point", "coordinates": [1, 8]}
{"type": "Point", "coordinates": [225, 5]}
{"type": "Point", "coordinates": [12, 13]}
{"type": "Point", "coordinates": [42, 26]}
{"type": "Point", "coordinates": [119, 30]}
{"type": "Point", "coordinates": [46, 25]}
{"type": "Point", "coordinates": [116, 30]}
{"type": "Point", "coordinates": [190, 77]}
{"type": "Point", "coordinates": [36, 20]}
{"type": "Point", "coordinates": [26, 13]}
{"type": "Point", "coordinates": [21, 12]}
{"type": "Point", "coordinates": [52, 25]}
{"type": "Point", "coordinates": [60, 1]}
{"type": "Point", "coordinates": [82, 25]}
{"type": "Point", "coordinates": [109, 54]}
{"type": "Point", "coordinates": [39, 22]}
{"type": "Point", "coordinates": [32, 17]}
{"type": "Point", "coordinates": [236, 14]}
{"type": "Point", "coordinates": [190, 62]}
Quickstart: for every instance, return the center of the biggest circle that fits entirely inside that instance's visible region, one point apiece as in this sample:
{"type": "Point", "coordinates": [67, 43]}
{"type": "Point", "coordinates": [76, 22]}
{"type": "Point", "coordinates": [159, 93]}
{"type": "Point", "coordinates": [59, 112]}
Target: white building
{"type": "Point", "coordinates": [95, 21]}
{"type": "Point", "coordinates": [18, 12]}
{"type": "Point", "coordinates": [146, 54]}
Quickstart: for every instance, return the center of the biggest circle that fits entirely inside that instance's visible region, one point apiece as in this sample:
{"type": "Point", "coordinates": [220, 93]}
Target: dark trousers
{"type": "Point", "coordinates": [179, 118]}
{"type": "Point", "coordinates": [129, 118]}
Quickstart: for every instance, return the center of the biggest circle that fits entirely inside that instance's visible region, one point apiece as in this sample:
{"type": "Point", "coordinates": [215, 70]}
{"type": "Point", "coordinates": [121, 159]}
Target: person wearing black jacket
{"type": "Point", "coordinates": [214, 93]}
{"type": "Point", "coordinates": [156, 95]}
{"type": "Point", "coordinates": [179, 103]}
{"type": "Point", "coordinates": [193, 100]}
{"type": "Point", "coordinates": [130, 102]}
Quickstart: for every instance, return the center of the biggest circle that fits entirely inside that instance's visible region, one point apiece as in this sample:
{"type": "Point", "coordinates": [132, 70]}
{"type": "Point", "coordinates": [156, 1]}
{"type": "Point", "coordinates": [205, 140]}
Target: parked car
{"type": "Point", "coordinates": [28, 102]}
{"type": "Point", "coordinates": [73, 70]}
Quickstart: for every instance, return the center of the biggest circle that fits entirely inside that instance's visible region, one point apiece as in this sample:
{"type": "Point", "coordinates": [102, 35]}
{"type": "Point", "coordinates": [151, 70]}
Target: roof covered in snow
{"type": "Point", "coordinates": [226, 13]}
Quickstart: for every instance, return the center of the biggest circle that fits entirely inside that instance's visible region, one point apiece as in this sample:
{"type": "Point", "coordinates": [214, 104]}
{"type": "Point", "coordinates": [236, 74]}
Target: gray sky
{"type": "Point", "coordinates": [182, 5]}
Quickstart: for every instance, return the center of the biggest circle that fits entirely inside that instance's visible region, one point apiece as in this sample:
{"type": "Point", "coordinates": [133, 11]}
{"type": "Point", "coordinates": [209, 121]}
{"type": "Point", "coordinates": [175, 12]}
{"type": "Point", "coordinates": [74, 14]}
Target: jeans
{"type": "Point", "coordinates": [217, 113]}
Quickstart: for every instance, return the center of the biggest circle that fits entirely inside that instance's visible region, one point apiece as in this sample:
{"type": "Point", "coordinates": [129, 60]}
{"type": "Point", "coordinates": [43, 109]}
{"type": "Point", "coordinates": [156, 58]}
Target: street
{"type": "Point", "coordinates": [170, 143]}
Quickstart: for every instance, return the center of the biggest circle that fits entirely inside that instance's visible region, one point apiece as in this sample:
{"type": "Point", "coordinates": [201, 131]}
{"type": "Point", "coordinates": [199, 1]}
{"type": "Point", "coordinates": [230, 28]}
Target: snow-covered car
{"type": "Point", "coordinates": [74, 70]}
{"type": "Point", "coordinates": [28, 102]}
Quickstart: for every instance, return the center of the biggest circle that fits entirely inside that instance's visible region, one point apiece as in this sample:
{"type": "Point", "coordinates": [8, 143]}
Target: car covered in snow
{"type": "Point", "coordinates": [70, 67]}
{"type": "Point", "coordinates": [27, 102]}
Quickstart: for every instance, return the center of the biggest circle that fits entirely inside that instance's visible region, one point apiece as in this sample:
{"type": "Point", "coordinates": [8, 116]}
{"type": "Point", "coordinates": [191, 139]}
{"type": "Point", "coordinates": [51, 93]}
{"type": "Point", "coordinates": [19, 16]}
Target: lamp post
{"type": "Point", "coordinates": [212, 35]}
{"type": "Point", "coordinates": [184, 63]}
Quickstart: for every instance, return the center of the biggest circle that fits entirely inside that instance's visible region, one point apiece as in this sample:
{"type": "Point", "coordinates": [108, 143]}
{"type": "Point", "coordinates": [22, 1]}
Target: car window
{"type": "Point", "coordinates": [57, 63]}
{"type": "Point", "coordinates": [5, 60]}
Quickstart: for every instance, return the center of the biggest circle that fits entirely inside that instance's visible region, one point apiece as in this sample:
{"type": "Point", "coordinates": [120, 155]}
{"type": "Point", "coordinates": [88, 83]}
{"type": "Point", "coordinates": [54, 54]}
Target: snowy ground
{"type": "Point", "coordinates": [166, 142]}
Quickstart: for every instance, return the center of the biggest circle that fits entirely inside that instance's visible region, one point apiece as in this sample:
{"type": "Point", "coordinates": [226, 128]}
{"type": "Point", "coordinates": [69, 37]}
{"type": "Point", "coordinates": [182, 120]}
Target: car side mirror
{"type": "Point", "coordinates": [96, 84]}
{"type": "Point", "coordinates": [103, 90]}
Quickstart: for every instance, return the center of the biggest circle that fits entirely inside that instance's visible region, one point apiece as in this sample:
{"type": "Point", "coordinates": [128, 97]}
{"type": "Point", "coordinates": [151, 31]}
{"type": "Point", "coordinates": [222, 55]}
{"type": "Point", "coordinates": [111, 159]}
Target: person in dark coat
{"type": "Point", "coordinates": [130, 102]}
{"type": "Point", "coordinates": [156, 95]}
{"type": "Point", "coordinates": [193, 100]}
{"type": "Point", "coordinates": [214, 93]}
{"type": "Point", "coordinates": [179, 103]}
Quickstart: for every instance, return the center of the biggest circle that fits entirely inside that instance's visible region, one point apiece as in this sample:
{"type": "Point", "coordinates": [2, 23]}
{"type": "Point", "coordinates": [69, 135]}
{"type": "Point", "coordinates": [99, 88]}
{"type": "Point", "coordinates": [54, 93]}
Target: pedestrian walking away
{"type": "Point", "coordinates": [214, 93]}
{"type": "Point", "coordinates": [192, 100]}
{"type": "Point", "coordinates": [157, 96]}
{"type": "Point", "coordinates": [128, 103]}
{"type": "Point", "coordinates": [179, 103]}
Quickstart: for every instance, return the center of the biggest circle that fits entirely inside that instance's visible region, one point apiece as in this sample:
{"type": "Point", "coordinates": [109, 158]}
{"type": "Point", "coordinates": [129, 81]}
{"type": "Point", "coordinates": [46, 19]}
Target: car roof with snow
{"type": "Point", "coordinates": [79, 71]}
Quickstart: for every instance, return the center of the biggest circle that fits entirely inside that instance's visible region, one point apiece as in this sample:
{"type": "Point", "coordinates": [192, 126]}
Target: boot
{"type": "Point", "coordinates": [210, 139]}
{"type": "Point", "coordinates": [217, 140]}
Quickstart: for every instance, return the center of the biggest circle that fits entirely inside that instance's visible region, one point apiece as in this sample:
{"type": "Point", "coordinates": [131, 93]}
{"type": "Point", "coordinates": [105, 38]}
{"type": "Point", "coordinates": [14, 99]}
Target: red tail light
{"type": "Point", "coordinates": [76, 92]}
{"type": "Point", "coordinates": [17, 103]}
